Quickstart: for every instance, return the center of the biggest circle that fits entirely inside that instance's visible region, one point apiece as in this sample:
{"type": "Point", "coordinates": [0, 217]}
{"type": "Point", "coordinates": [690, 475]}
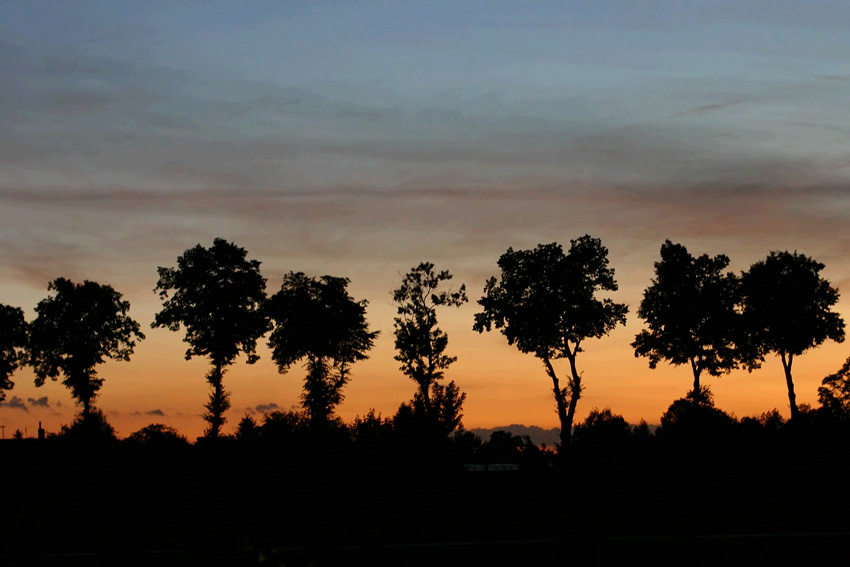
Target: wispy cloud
{"type": "Point", "coordinates": [154, 412]}
{"type": "Point", "coordinates": [708, 108]}
{"type": "Point", "coordinates": [14, 403]}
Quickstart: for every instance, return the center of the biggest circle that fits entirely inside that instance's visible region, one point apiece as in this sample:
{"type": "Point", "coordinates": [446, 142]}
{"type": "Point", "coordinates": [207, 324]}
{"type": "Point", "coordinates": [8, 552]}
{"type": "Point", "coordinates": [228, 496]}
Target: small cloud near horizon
{"type": "Point", "coordinates": [157, 412]}
{"type": "Point", "coordinates": [15, 403]}
{"type": "Point", "coordinates": [39, 402]}
{"type": "Point", "coordinates": [264, 408]}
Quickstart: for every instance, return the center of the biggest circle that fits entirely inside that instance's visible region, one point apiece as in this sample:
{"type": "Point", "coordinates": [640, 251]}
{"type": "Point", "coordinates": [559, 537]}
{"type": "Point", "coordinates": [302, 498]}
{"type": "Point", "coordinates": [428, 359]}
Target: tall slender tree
{"type": "Point", "coordinates": [77, 328]}
{"type": "Point", "coordinates": [421, 345]}
{"type": "Point", "coordinates": [545, 303]}
{"type": "Point", "coordinates": [13, 340]}
{"type": "Point", "coordinates": [691, 314]}
{"type": "Point", "coordinates": [316, 320]}
{"type": "Point", "coordinates": [217, 294]}
{"type": "Point", "coordinates": [787, 311]}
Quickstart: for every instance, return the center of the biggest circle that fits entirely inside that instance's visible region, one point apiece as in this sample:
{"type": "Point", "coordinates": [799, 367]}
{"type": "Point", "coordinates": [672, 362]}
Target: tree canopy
{"type": "Point", "coordinates": [690, 311]}
{"type": "Point", "coordinates": [316, 320]}
{"type": "Point", "coordinates": [13, 340]}
{"type": "Point", "coordinates": [834, 392]}
{"type": "Point", "coordinates": [603, 429]}
{"type": "Point", "coordinates": [787, 311]}
{"type": "Point", "coordinates": [419, 343]}
{"type": "Point", "coordinates": [77, 328]}
{"type": "Point", "coordinates": [158, 436]}
{"type": "Point", "coordinates": [545, 303]}
{"type": "Point", "coordinates": [217, 294]}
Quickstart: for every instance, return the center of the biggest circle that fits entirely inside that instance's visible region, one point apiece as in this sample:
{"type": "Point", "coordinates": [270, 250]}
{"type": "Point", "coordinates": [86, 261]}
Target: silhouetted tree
{"type": "Point", "coordinates": [503, 447]}
{"type": "Point", "coordinates": [421, 345]}
{"type": "Point", "coordinates": [546, 304]}
{"type": "Point", "coordinates": [690, 310]}
{"type": "Point", "coordinates": [371, 427]}
{"type": "Point", "coordinates": [695, 418]}
{"type": "Point", "coordinates": [786, 311]}
{"type": "Point", "coordinates": [89, 428]}
{"type": "Point", "coordinates": [444, 414]}
{"type": "Point", "coordinates": [315, 320]}
{"type": "Point", "coordinates": [464, 445]}
{"type": "Point", "coordinates": [13, 340]}
{"type": "Point", "coordinates": [217, 294]}
{"type": "Point", "coordinates": [760, 429]}
{"type": "Point", "coordinates": [447, 406]}
{"type": "Point", "coordinates": [282, 422]}
{"type": "Point", "coordinates": [288, 430]}
{"type": "Point", "coordinates": [642, 430]}
{"type": "Point", "coordinates": [247, 430]}
{"type": "Point", "coordinates": [602, 429]}
{"type": "Point", "coordinates": [373, 434]}
{"type": "Point", "coordinates": [834, 392]}
{"type": "Point", "coordinates": [158, 436]}
{"type": "Point", "coordinates": [771, 420]}
{"type": "Point", "coordinates": [75, 330]}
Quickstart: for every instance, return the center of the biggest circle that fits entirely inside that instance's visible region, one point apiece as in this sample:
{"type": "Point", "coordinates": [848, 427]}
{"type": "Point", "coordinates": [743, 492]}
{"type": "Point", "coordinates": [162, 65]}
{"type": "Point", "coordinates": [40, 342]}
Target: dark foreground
{"type": "Point", "coordinates": [651, 503]}
{"type": "Point", "coordinates": [754, 549]}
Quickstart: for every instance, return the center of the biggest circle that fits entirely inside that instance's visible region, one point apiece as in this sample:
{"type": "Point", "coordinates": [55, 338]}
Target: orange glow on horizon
{"type": "Point", "coordinates": [503, 386]}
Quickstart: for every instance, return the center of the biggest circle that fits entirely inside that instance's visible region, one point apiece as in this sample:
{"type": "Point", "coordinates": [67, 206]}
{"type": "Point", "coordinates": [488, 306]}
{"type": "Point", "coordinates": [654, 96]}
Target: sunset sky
{"type": "Point", "coordinates": [358, 139]}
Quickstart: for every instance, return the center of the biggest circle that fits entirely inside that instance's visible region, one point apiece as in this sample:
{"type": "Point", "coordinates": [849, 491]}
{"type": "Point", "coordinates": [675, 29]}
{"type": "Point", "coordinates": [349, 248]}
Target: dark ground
{"type": "Point", "coordinates": [755, 504]}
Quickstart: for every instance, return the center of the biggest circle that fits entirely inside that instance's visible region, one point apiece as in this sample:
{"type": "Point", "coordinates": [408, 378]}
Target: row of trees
{"type": "Point", "coordinates": [696, 313]}
{"type": "Point", "coordinates": [716, 322]}
{"type": "Point", "coordinates": [218, 296]}
{"type": "Point", "coordinates": [545, 302]}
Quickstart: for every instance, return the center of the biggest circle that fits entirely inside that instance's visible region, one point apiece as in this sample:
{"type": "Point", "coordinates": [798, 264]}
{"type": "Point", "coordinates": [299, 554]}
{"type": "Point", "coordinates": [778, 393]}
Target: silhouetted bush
{"type": "Point", "coordinates": [158, 437]}
{"type": "Point", "coordinates": [288, 434]}
{"type": "Point", "coordinates": [283, 427]}
{"type": "Point", "coordinates": [89, 428]}
{"type": "Point", "coordinates": [505, 447]}
{"type": "Point", "coordinates": [642, 431]}
{"type": "Point", "coordinates": [247, 431]}
{"type": "Point", "coordinates": [694, 418]}
{"type": "Point", "coordinates": [602, 429]}
{"type": "Point", "coordinates": [372, 430]}
{"type": "Point", "coordinates": [834, 393]}
{"type": "Point", "coordinates": [770, 423]}
{"type": "Point", "coordinates": [466, 443]}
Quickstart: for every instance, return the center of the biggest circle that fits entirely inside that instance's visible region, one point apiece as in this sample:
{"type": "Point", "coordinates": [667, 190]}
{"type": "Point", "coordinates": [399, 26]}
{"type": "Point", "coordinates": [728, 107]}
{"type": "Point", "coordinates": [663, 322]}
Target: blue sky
{"type": "Point", "coordinates": [360, 138]}
{"type": "Point", "coordinates": [163, 107]}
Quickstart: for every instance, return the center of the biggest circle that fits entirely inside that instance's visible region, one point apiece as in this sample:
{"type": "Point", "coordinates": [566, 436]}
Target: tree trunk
{"type": "Point", "coordinates": [86, 407]}
{"type": "Point", "coordinates": [80, 384]}
{"type": "Point", "coordinates": [696, 370]}
{"type": "Point", "coordinates": [575, 391]}
{"type": "Point", "coordinates": [425, 392]}
{"type": "Point", "coordinates": [789, 381]}
{"type": "Point", "coordinates": [566, 425]}
{"type": "Point", "coordinates": [218, 403]}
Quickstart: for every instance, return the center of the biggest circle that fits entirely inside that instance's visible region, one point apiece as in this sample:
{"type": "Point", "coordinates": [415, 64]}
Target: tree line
{"type": "Point", "coordinates": [546, 302]}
